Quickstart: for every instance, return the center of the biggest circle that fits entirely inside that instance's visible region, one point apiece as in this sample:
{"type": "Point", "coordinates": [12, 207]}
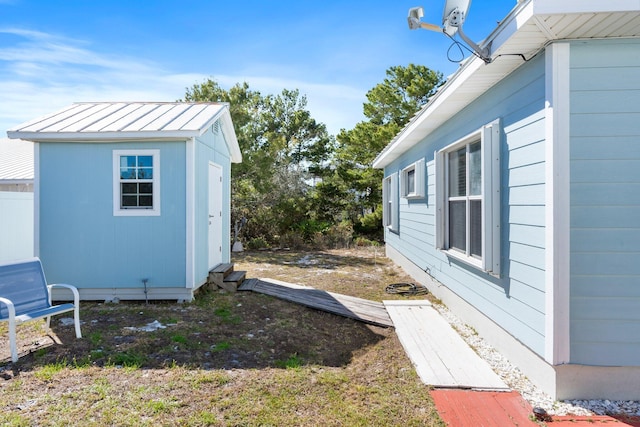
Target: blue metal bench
{"type": "Point", "coordinates": [25, 296]}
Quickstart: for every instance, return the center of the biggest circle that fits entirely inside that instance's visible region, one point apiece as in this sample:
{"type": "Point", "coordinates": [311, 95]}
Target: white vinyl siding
{"type": "Point", "coordinates": [468, 199]}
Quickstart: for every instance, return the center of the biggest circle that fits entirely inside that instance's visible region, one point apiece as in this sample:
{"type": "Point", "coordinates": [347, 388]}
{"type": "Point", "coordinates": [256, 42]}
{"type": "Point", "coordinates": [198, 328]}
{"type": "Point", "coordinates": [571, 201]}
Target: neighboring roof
{"type": "Point", "coordinates": [528, 28]}
{"type": "Point", "coordinates": [16, 161]}
{"type": "Point", "coordinates": [119, 121]}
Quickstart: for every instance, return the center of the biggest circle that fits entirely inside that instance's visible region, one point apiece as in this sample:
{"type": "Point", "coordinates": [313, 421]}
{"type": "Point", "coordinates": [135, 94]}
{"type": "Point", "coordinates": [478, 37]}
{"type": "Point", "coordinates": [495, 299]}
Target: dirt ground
{"type": "Point", "coordinates": [224, 359]}
{"type": "Point", "coordinates": [226, 330]}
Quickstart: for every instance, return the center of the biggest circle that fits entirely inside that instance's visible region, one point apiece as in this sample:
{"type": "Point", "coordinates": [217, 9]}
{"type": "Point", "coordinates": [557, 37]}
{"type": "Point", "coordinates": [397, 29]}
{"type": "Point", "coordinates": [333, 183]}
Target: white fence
{"type": "Point", "coordinates": [16, 226]}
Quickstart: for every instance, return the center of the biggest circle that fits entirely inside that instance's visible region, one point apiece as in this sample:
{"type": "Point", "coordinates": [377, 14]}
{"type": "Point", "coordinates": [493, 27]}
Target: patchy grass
{"type": "Point", "coordinates": [225, 359]}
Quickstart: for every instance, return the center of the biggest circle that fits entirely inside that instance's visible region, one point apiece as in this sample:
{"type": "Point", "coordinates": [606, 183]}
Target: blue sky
{"type": "Point", "coordinates": [54, 53]}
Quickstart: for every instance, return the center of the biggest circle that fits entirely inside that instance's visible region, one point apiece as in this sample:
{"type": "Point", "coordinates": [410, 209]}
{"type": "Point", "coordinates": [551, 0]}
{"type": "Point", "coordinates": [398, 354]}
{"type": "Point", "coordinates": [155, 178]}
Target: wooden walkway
{"type": "Point", "coordinates": [440, 356]}
{"type": "Point", "coordinates": [371, 312]}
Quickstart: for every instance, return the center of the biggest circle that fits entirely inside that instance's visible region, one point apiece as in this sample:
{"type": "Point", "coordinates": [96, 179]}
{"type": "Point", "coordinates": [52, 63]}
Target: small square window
{"type": "Point", "coordinates": [136, 190]}
{"type": "Point", "coordinates": [413, 181]}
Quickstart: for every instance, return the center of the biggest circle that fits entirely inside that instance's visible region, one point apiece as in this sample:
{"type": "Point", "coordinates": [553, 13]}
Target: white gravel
{"type": "Point", "coordinates": [515, 379]}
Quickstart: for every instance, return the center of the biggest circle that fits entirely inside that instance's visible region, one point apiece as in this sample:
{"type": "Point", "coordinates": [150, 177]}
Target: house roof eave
{"type": "Point", "coordinates": [524, 33]}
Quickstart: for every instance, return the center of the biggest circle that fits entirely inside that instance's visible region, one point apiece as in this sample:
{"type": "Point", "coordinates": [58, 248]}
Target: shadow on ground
{"type": "Point", "coordinates": [216, 331]}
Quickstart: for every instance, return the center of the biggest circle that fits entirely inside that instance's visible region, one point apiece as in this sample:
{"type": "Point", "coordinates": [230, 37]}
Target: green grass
{"type": "Point", "coordinates": [223, 345]}
{"type": "Point", "coordinates": [126, 360]}
{"type": "Point", "coordinates": [48, 372]}
{"type": "Point", "coordinates": [292, 362]}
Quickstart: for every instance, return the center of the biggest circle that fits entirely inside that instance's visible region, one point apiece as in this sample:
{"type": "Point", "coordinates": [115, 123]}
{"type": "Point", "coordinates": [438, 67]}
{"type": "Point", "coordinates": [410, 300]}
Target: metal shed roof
{"type": "Point", "coordinates": [130, 121]}
{"type": "Point", "coordinates": [528, 28]}
{"type": "Point", "coordinates": [16, 161]}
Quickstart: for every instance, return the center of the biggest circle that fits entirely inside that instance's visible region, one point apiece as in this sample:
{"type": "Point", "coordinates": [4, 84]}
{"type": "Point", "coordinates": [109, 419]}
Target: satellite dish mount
{"type": "Point", "coordinates": [453, 16]}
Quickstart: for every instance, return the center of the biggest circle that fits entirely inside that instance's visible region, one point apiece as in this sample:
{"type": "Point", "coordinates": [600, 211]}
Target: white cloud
{"type": "Point", "coordinates": [43, 73]}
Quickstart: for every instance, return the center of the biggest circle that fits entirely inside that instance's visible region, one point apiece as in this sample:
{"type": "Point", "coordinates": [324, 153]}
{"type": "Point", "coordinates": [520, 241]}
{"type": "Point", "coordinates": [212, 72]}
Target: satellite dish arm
{"type": "Point", "coordinates": [430, 27]}
{"type": "Point", "coordinates": [482, 53]}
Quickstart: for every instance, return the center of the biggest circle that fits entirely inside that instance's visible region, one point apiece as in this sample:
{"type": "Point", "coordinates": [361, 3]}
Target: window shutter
{"type": "Point", "coordinates": [394, 202]}
{"type": "Point", "coordinates": [385, 201]}
{"type": "Point", "coordinates": [420, 178]}
{"type": "Point", "coordinates": [492, 197]}
{"type": "Point", "coordinates": [439, 158]}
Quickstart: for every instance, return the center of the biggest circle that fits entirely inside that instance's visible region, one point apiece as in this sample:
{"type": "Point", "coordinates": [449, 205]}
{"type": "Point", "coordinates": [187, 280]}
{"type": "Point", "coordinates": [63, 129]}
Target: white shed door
{"type": "Point", "coordinates": [215, 215]}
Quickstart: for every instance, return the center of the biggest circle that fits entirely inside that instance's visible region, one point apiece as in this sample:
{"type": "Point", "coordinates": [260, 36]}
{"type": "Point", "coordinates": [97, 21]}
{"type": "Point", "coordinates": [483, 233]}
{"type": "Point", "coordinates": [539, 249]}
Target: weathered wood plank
{"type": "Point", "coordinates": [440, 355]}
{"type": "Point", "coordinates": [367, 311]}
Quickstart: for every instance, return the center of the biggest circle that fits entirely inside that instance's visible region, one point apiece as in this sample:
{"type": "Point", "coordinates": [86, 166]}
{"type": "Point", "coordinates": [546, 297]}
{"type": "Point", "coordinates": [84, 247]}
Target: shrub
{"type": "Point", "coordinates": [257, 243]}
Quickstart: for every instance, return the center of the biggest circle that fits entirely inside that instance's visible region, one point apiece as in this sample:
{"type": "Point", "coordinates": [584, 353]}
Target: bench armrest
{"type": "Point", "coordinates": [12, 327]}
{"type": "Point", "coordinates": [73, 289]}
{"type": "Point", "coordinates": [76, 305]}
{"type": "Point", "coordinates": [10, 308]}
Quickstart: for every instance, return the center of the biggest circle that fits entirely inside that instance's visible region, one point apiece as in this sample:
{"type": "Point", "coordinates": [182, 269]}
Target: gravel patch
{"type": "Point", "coordinates": [515, 379]}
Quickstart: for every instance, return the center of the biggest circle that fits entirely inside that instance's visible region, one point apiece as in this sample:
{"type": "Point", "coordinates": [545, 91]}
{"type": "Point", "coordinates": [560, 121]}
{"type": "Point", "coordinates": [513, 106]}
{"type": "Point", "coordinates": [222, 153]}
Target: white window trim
{"type": "Point", "coordinates": [390, 200]}
{"type": "Point", "coordinates": [489, 136]}
{"type": "Point", "coordinates": [155, 211]}
{"type": "Point", "coordinates": [419, 181]}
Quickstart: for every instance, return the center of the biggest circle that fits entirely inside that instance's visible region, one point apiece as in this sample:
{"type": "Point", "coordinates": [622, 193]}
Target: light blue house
{"type": "Point", "coordinates": [514, 195]}
{"type": "Point", "coordinates": [132, 200]}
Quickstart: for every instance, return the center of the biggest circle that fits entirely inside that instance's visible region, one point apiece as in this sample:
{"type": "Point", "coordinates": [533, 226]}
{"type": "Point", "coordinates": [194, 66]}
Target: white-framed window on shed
{"type": "Point", "coordinates": [468, 198]}
{"type": "Point", "coordinates": [412, 181]}
{"type": "Point", "coordinates": [136, 182]}
{"type": "Point", "coordinates": [390, 202]}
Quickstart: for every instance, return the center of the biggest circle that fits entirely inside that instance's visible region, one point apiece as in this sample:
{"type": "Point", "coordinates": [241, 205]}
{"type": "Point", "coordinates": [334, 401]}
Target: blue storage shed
{"type": "Point", "coordinates": [132, 200]}
{"type": "Point", "coordinates": [514, 195]}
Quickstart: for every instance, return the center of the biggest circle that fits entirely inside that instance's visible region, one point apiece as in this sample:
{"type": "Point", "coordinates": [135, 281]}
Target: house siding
{"type": "Point", "coordinates": [515, 300]}
{"type": "Point", "coordinates": [83, 243]}
{"type": "Point", "coordinates": [605, 202]}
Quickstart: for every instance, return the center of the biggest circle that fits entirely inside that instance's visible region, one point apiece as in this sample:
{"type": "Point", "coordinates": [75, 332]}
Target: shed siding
{"type": "Point", "coordinates": [210, 147]}
{"type": "Point", "coordinates": [605, 203]}
{"type": "Point", "coordinates": [515, 301]}
{"type": "Point", "coordinates": [83, 243]}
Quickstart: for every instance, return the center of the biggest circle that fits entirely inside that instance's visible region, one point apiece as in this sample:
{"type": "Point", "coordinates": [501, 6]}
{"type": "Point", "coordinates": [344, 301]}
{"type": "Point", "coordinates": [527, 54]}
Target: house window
{"type": "Point", "coordinates": [136, 182]}
{"type": "Point", "coordinates": [468, 199]}
{"type": "Point", "coordinates": [412, 181]}
{"type": "Point", "coordinates": [390, 202]}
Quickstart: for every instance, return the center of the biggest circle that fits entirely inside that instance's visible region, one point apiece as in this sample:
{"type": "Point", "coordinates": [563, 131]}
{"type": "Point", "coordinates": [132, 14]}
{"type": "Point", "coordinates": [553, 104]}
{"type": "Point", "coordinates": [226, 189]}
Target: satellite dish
{"type": "Point", "coordinates": [453, 16]}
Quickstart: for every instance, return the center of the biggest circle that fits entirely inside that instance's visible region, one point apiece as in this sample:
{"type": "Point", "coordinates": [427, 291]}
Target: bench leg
{"type": "Point", "coordinates": [12, 340]}
{"type": "Point", "coordinates": [76, 319]}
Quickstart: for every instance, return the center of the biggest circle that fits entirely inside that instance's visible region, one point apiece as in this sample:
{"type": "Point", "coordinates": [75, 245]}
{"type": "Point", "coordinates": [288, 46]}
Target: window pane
{"type": "Point", "coordinates": [129, 201]}
{"type": "Point", "coordinates": [458, 173]}
{"type": "Point", "coordinates": [475, 226]}
{"type": "Point", "coordinates": [129, 188]}
{"type": "Point", "coordinates": [475, 169]}
{"type": "Point", "coordinates": [127, 173]}
{"type": "Point", "coordinates": [411, 181]}
{"type": "Point", "coordinates": [146, 188]}
{"type": "Point", "coordinates": [127, 161]}
{"type": "Point", "coordinates": [458, 225]}
{"type": "Point", "coordinates": [145, 173]}
{"type": "Point", "coordinates": [145, 161]}
{"type": "Point", "coordinates": [146, 201]}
